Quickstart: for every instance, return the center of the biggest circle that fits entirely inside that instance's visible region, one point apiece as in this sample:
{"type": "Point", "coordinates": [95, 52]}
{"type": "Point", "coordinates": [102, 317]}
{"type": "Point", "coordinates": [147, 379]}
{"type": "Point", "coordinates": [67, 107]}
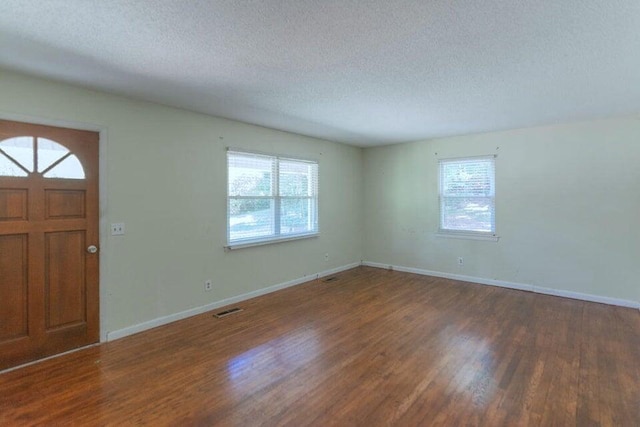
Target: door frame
{"type": "Point", "coordinates": [102, 195]}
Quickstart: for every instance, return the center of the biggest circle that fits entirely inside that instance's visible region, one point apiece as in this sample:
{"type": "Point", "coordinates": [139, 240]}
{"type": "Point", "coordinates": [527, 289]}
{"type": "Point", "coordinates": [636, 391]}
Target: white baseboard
{"type": "Point", "coordinates": [510, 285]}
{"type": "Point", "coordinates": [130, 330]}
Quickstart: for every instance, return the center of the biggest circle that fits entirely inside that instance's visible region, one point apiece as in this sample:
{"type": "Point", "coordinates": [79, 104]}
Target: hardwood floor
{"type": "Point", "coordinates": [372, 348]}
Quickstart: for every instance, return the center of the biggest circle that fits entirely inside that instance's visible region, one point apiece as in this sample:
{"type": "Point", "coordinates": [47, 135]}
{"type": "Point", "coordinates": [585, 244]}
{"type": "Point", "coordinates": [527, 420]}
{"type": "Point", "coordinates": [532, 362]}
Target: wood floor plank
{"type": "Point", "coordinates": [373, 348]}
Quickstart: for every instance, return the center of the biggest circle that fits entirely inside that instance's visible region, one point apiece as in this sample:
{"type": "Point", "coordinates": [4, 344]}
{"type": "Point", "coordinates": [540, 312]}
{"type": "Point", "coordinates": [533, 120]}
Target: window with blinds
{"type": "Point", "coordinates": [467, 195]}
{"type": "Point", "coordinates": [270, 198]}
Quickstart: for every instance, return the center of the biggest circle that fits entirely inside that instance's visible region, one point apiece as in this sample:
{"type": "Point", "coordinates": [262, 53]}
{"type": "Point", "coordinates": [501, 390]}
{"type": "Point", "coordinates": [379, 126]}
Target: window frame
{"type": "Point", "coordinates": [277, 198]}
{"type": "Point", "coordinates": [467, 234]}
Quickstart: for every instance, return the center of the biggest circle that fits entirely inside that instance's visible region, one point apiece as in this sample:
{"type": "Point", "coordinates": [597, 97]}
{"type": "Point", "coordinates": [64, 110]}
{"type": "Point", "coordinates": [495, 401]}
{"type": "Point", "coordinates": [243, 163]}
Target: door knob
{"type": "Point", "coordinates": [92, 249]}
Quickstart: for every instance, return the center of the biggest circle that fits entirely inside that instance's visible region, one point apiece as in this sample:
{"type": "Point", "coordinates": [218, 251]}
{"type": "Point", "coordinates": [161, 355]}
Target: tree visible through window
{"type": "Point", "coordinates": [467, 195]}
{"type": "Point", "coordinates": [270, 198]}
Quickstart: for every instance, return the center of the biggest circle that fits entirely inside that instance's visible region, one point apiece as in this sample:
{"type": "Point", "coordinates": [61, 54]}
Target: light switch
{"type": "Point", "coordinates": [117, 229]}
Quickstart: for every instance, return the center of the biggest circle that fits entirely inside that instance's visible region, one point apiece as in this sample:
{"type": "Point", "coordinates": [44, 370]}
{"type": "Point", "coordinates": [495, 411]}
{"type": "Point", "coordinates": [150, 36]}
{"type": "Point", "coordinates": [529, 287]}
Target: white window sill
{"type": "Point", "coordinates": [251, 243]}
{"type": "Point", "coordinates": [467, 236]}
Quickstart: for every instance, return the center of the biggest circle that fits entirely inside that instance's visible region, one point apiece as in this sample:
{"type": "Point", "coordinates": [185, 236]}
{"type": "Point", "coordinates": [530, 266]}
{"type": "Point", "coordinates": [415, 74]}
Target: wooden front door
{"type": "Point", "coordinates": [49, 297]}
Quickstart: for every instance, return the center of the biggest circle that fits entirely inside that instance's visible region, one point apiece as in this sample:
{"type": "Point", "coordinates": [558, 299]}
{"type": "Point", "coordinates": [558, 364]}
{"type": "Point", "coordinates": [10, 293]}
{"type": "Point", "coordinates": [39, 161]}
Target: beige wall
{"type": "Point", "coordinates": [567, 209]}
{"type": "Point", "coordinates": [165, 177]}
{"type": "Point", "coordinates": [568, 202]}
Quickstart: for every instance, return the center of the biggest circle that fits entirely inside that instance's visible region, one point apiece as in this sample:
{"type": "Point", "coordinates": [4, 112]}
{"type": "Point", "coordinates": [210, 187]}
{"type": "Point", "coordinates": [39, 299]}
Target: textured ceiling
{"type": "Point", "coordinates": [361, 72]}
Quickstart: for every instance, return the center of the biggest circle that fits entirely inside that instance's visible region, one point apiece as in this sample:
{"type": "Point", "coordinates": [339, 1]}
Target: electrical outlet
{"type": "Point", "coordinates": [460, 261]}
{"type": "Point", "coordinates": [208, 285]}
{"type": "Point", "coordinates": [326, 256]}
{"type": "Point", "coordinates": [117, 229]}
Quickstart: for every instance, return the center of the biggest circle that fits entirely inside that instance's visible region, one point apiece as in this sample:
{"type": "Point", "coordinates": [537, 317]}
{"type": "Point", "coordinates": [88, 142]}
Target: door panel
{"type": "Point", "coordinates": [64, 278]}
{"type": "Point", "coordinates": [62, 204]}
{"type": "Point", "coordinates": [13, 287]}
{"type": "Point", "coordinates": [13, 204]}
{"type": "Point", "coordinates": [48, 216]}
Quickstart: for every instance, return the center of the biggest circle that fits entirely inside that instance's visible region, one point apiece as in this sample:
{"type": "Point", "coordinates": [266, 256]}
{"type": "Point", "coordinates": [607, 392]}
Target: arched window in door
{"type": "Point", "coordinates": [21, 156]}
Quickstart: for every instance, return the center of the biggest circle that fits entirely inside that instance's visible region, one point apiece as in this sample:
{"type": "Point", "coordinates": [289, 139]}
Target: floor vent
{"type": "Point", "coordinates": [227, 312]}
{"type": "Point", "coordinates": [330, 279]}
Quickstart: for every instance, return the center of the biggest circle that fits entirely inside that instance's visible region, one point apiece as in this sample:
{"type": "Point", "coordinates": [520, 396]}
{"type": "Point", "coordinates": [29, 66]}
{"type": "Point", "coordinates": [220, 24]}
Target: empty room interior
{"type": "Point", "coordinates": [412, 213]}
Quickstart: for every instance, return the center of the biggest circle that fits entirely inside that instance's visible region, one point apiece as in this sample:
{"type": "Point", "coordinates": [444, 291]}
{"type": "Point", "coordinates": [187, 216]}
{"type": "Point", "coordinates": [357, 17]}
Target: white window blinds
{"type": "Point", "coordinates": [270, 198]}
{"type": "Point", "coordinates": [467, 195]}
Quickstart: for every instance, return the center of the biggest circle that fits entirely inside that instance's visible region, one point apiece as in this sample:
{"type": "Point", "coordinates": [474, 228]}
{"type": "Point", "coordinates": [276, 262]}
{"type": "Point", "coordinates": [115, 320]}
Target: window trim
{"type": "Point", "coordinates": [467, 234]}
{"type": "Point", "coordinates": [277, 238]}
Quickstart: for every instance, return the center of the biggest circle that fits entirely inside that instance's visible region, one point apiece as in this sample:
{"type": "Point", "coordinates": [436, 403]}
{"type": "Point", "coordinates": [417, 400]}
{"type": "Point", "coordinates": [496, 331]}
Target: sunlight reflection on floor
{"type": "Point", "coordinates": [273, 359]}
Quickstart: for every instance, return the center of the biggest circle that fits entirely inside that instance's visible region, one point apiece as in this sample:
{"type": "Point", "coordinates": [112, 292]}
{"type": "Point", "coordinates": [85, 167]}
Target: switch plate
{"type": "Point", "coordinates": [117, 229]}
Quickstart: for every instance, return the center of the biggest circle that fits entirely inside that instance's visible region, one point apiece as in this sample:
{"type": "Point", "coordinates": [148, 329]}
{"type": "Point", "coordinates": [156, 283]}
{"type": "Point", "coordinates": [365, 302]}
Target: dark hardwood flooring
{"type": "Point", "coordinates": [372, 348]}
